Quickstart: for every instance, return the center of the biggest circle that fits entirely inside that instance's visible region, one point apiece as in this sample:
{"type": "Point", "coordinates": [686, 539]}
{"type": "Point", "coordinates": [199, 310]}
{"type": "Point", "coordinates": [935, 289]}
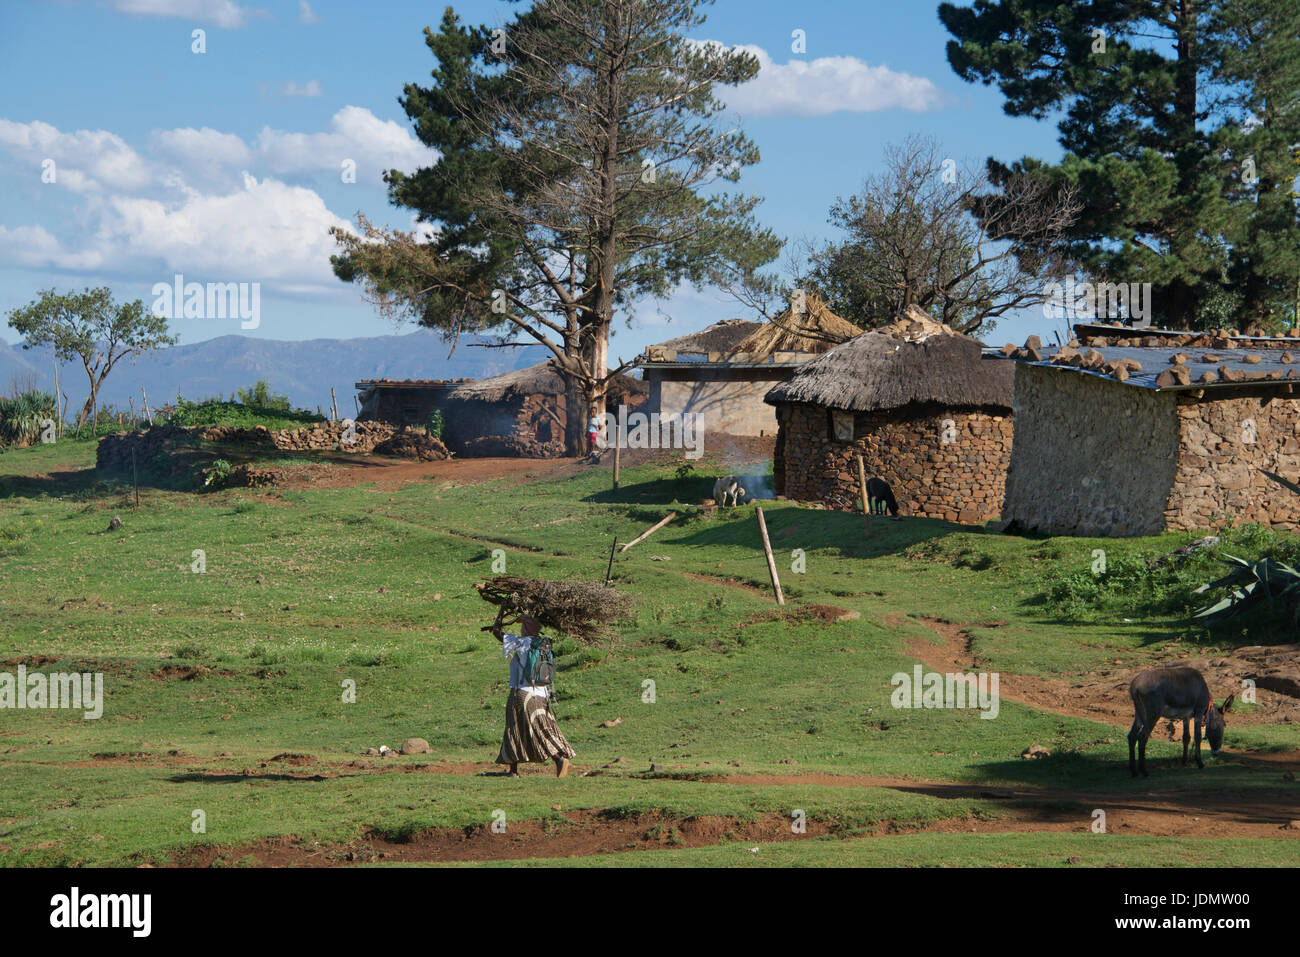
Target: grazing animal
{"type": "Point", "coordinates": [1175, 692]}
{"type": "Point", "coordinates": [880, 497]}
{"type": "Point", "coordinates": [727, 485]}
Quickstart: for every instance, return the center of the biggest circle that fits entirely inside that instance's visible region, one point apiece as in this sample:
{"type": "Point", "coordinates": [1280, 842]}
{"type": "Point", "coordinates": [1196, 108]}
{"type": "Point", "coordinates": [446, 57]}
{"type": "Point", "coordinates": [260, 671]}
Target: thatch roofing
{"type": "Point", "coordinates": [719, 337]}
{"type": "Point", "coordinates": [812, 328]}
{"type": "Point", "coordinates": [912, 360]}
{"type": "Point", "coordinates": [542, 378]}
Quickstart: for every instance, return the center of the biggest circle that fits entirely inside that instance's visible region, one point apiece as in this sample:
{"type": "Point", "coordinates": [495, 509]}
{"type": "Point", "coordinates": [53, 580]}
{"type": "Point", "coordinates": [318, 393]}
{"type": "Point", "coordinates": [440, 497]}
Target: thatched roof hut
{"type": "Point", "coordinates": [912, 360]}
{"type": "Point", "coordinates": [523, 413]}
{"type": "Point", "coordinates": [723, 372]}
{"type": "Point", "coordinates": [919, 403]}
{"type": "Point", "coordinates": [807, 325]}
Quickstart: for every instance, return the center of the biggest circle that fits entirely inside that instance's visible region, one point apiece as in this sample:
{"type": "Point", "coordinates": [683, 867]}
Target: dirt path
{"type": "Point", "coordinates": [579, 833]}
{"type": "Point", "coordinates": [1102, 695]}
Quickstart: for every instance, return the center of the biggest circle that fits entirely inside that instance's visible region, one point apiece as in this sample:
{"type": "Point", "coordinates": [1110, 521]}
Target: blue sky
{"type": "Point", "coordinates": [225, 166]}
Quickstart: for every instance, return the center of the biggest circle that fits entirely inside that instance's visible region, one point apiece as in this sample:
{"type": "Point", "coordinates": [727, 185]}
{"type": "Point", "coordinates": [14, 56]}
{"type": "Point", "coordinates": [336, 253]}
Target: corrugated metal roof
{"type": "Point", "coordinates": [1154, 361]}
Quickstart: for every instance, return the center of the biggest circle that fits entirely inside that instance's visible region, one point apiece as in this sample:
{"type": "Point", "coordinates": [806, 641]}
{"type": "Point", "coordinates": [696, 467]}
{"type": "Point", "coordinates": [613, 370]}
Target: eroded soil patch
{"type": "Point", "coordinates": [1103, 695]}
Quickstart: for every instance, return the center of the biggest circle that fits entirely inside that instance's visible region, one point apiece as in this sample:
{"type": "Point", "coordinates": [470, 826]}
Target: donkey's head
{"type": "Point", "coordinates": [1214, 724]}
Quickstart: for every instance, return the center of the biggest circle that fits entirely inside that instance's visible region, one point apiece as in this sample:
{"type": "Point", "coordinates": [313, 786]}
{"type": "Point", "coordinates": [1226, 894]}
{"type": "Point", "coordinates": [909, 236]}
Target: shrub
{"type": "Point", "coordinates": [259, 396]}
{"type": "Point", "coordinates": [21, 416]}
{"type": "Point", "coordinates": [217, 474]}
{"type": "Point", "coordinates": [212, 412]}
{"type": "Point", "coordinates": [436, 424]}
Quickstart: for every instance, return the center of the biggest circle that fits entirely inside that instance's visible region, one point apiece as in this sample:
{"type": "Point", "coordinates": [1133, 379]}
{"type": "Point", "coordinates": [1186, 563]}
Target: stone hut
{"type": "Point", "coordinates": [723, 372]}
{"type": "Point", "coordinates": [402, 401]}
{"type": "Point", "coordinates": [521, 414]}
{"type": "Point", "coordinates": [926, 411]}
{"type": "Point", "coordinates": [1137, 439]}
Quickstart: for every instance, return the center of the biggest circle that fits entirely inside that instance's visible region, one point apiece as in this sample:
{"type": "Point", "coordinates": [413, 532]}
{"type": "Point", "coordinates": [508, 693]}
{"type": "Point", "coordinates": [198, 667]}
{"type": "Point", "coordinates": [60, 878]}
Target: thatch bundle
{"type": "Point", "coordinates": [913, 324]}
{"type": "Point", "coordinates": [811, 328]}
{"type": "Point", "coordinates": [720, 337]}
{"type": "Point", "coordinates": [916, 361]}
{"type": "Point", "coordinates": [541, 379]}
{"type": "Point", "coordinates": [581, 610]}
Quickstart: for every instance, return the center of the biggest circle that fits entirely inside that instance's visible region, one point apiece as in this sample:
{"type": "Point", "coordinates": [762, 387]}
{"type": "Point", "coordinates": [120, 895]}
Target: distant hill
{"type": "Point", "coordinates": [304, 370]}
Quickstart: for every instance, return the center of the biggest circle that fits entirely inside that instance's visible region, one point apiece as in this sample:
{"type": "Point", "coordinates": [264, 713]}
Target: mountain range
{"type": "Point", "coordinates": [303, 370]}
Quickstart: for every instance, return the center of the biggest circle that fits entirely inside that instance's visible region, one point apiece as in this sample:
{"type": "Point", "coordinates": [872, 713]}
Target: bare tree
{"type": "Point", "coordinates": [929, 233]}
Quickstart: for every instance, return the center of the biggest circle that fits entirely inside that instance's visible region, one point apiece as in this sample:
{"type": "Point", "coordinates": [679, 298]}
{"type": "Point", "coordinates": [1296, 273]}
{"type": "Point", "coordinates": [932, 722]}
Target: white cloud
{"type": "Point", "coordinates": [310, 88]}
{"type": "Point", "coordinates": [85, 161]}
{"type": "Point", "coordinates": [266, 230]}
{"type": "Point", "coordinates": [306, 14]}
{"type": "Point", "coordinates": [207, 154]}
{"type": "Point", "coordinates": [356, 134]}
{"type": "Point", "coordinates": [224, 13]}
{"type": "Point", "coordinates": [827, 85]}
{"type": "Point", "coordinates": [202, 203]}
{"type": "Point", "coordinates": [31, 246]}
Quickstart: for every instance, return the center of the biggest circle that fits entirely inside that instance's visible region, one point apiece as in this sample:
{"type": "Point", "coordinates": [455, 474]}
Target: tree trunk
{"type": "Point", "coordinates": [575, 423]}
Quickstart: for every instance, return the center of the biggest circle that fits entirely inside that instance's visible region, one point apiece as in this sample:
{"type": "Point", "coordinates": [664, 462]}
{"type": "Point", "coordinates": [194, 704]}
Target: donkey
{"type": "Point", "coordinates": [1173, 692]}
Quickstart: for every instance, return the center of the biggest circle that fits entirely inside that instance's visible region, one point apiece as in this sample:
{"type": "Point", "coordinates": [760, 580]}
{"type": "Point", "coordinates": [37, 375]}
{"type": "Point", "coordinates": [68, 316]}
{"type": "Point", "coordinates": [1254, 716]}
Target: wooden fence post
{"type": "Point", "coordinates": [771, 562]}
{"type": "Point", "coordinates": [862, 487]}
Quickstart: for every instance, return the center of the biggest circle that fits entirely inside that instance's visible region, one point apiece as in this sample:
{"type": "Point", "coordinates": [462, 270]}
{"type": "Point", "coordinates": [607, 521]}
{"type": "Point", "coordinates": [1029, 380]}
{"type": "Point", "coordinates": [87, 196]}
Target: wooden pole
{"type": "Point", "coordinates": [618, 443]}
{"type": "Point", "coordinates": [862, 487]}
{"type": "Point", "coordinates": [609, 572]}
{"type": "Point", "coordinates": [334, 405]}
{"type": "Point", "coordinates": [58, 425]}
{"type": "Point", "coordinates": [771, 562]}
{"type": "Point", "coordinates": [649, 531]}
{"type": "Point", "coordinates": [147, 415]}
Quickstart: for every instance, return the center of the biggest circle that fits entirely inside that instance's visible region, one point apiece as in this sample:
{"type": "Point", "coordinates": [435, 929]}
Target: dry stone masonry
{"type": "Point", "coordinates": [960, 480]}
{"type": "Point", "coordinates": [1098, 458]}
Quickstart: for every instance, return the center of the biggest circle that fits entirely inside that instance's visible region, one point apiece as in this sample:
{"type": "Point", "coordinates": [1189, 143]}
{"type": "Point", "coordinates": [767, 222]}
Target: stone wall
{"type": "Point", "coordinates": [1092, 457]}
{"type": "Point", "coordinates": [730, 402]}
{"type": "Point", "coordinates": [114, 452]}
{"type": "Point", "coordinates": [515, 428]}
{"type": "Point", "coordinates": [321, 436]}
{"type": "Point", "coordinates": [959, 480]}
{"type": "Point", "coordinates": [1223, 445]}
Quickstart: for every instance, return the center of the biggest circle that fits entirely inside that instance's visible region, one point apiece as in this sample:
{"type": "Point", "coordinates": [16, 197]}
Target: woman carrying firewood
{"type": "Point", "coordinates": [531, 732]}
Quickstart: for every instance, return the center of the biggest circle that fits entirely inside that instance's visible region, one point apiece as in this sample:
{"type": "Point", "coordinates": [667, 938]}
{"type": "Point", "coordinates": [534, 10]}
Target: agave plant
{"type": "Point", "coordinates": [21, 416]}
{"type": "Point", "coordinates": [1248, 584]}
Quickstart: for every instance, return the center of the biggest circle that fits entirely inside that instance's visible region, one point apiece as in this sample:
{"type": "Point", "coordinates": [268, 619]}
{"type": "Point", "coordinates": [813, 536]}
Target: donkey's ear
{"type": "Point", "coordinates": [1227, 703]}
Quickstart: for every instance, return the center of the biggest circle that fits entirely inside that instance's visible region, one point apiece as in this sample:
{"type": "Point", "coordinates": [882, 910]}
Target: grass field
{"type": "Point", "coordinates": [771, 733]}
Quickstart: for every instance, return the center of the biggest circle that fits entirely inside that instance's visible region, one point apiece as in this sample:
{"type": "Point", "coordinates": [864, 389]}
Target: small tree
{"type": "Point", "coordinates": [259, 396]}
{"type": "Point", "coordinates": [92, 327]}
{"type": "Point", "coordinates": [929, 234]}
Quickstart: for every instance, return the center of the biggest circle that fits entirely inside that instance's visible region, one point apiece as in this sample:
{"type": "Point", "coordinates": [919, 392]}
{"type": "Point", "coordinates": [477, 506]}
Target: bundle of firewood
{"type": "Point", "coordinates": [581, 610]}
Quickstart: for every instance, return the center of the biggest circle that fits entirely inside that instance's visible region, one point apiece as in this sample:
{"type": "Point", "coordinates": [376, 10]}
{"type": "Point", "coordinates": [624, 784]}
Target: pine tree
{"type": "Point", "coordinates": [1126, 79]}
{"type": "Point", "coordinates": [582, 167]}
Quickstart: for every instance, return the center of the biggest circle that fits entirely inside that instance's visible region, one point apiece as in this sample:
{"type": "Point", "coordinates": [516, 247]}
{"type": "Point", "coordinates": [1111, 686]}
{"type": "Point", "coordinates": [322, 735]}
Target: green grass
{"type": "Point", "coordinates": [306, 590]}
{"type": "Point", "coordinates": [955, 850]}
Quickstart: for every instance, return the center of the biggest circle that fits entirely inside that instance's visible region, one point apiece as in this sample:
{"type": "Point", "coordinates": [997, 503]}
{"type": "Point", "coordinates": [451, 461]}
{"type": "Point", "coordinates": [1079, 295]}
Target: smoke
{"type": "Point", "coordinates": [757, 487]}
